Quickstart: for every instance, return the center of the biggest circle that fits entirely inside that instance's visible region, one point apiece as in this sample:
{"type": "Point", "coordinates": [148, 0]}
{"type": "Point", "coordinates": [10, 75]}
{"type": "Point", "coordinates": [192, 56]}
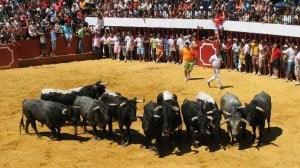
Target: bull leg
{"type": "Point", "coordinates": [128, 133]}
{"type": "Point", "coordinates": [54, 132]}
{"type": "Point", "coordinates": [95, 132]}
{"type": "Point", "coordinates": [261, 129]}
{"type": "Point", "coordinates": [254, 133]}
{"type": "Point", "coordinates": [230, 135]}
{"type": "Point", "coordinates": [26, 126]}
{"type": "Point", "coordinates": [33, 125]}
{"type": "Point", "coordinates": [195, 143]}
{"type": "Point", "coordinates": [188, 131]}
{"type": "Point", "coordinates": [84, 125]}
{"type": "Point", "coordinates": [243, 130]}
{"type": "Point", "coordinates": [58, 132]}
{"type": "Point", "coordinates": [268, 120]}
{"type": "Point", "coordinates": [123, 140]}
{"type": "Point", "coordinates": [210, 129]}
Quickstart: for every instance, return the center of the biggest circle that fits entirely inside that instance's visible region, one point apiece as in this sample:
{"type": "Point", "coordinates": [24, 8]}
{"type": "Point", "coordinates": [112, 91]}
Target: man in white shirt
{"type": "Point", "coordinates": [215, 61]}
{"type": "Point", "coordinates": [289, 59]}
{"type": "Point", "coordinates": [129, 47]}
{"type": "Point", "coordinates": [172, 48]}
{"type": "Point", "coordinates": [140, 51]}
{"type": "Point", "coordinates": [261, 56]}
{"type": "Point", "coordinates": [117, 45]}
{"type": "Point", "coordinates": [247, 55]}
{"type": "Point", "coordinates": [104, 47]}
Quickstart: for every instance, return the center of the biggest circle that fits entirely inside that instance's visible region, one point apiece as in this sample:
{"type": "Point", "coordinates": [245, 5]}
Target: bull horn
{"type": "Point", "coordinates": [64, 112]}
{"type": "Point", "coordinates": [245, 121]}
{"type": "Point", "coordinates": [122, 104]}
{"type": "Point", "coordinates": [241, 107]}
{"type": "Point", "coordinates": [140, 101]}
{"type": "Point", "coordinates": [225, 121]}
{"type": "Point", "coordinates": [76, 107]}
{"type": "Point", "coordinates": [209, 117]}
{"type": "Point", "coordinates": [157, 108]}
{"type": "Point", "coordinates": [175, 108]}
{"type": "Point", "coordinates": [103, 83]}
{"type": "Point", "coordinates": [227, 113]}
{"type": "Point", "coordinates": [156, 116]}
{"type": "Point", "coordinates": [96, 108]}
{"type": "Point", "coordinates": [194, 118]}
{"type": "Point", "coordinates": [260, 109]}
{"type": "Point", "coordinates": [209, 112]}
{"type": "Point", "coordinates": [112, 104]}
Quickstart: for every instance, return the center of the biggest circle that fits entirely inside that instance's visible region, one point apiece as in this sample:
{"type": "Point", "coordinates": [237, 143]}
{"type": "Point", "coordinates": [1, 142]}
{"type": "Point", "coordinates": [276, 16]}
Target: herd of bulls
{"type": "Point", "coordinates": [100, 107]}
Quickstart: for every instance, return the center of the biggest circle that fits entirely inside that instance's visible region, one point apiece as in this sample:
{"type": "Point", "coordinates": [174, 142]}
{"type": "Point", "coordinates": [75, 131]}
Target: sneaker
{"type": "Point", "coordinates": [244, 71]}
{"type": "Point", "coordinates": [235, 70]}
{"type": "Point", "coordinates": [286, 80]}
{"type": "Point", "coordinates": [186, 79]}
{"type": "Point", "coordinates": [254, 73]}
{"type": "Point", "coordinates": [259, 74]}
{"type": "Point", "coordinates": [269, 75]}
{"type": "Point", "coordinates": [208, 84]}
{"type": "Point", "coordinates": [297, 83]}
{"type": "Point", "coordinates": [274, 77]}
{"type": "Point", "coordinates": [153, 61]}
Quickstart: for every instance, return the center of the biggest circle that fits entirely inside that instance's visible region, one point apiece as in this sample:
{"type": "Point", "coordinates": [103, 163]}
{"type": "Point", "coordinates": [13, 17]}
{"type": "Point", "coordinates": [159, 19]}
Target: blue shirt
{"type": "Point", "coordinates": [67, 29]}
{"type": "Point", "coordinates": [166, 43]}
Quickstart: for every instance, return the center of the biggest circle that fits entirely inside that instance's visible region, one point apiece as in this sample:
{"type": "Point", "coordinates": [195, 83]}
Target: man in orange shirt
{"type": "Point", "coordinates": [187, 54]}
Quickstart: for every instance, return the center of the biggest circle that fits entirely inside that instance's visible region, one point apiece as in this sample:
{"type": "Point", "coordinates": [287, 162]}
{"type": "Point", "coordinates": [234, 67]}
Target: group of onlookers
{"type": "Point", "coordinates": [248, 56]}
{"type": "Point", "coordinates": [266, 11]}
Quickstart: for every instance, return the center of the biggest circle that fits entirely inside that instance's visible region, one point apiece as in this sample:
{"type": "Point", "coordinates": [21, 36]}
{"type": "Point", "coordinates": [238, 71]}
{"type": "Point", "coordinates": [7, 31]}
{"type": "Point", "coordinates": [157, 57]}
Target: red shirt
{"type": "Point", "coordinates": [218, 20]}
{"type": "Point", "coordinates": [276, 53]}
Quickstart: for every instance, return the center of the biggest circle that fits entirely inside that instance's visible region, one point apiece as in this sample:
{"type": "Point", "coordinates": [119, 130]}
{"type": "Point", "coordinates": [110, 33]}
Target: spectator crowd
{"type": "Point", "coordinates": [20, 20]}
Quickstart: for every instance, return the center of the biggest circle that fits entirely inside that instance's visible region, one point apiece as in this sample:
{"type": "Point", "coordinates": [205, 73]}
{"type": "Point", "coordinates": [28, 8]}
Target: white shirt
{"type": "Point", "coordinates": [290, 54]}
{"type": "Point", "coordinates": [128, 41]}
{"type": "Point", "coordinates": [104, 40]}
{"type": "Point", "coordinates": [180, 43]}
{"type": "Point", "coordinates": [139, 42]}
{"type": "Point", "coordinates": [116, 41]}
{"type": "Point", "coordinates": [260, 51]}
{"type": "Point", "coordinates": [246, 49]}
{"type": "Point", "coordinates": [172, 44]}
{"type": "Point", "coordinates": [215, 61]}
{"type": "Point", "coordinates": [159, 42]}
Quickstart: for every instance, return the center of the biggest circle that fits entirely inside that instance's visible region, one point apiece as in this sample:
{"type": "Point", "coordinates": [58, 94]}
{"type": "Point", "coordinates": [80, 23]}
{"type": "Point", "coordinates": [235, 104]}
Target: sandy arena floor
{"type": "Point", "coordinates": [281, 147]}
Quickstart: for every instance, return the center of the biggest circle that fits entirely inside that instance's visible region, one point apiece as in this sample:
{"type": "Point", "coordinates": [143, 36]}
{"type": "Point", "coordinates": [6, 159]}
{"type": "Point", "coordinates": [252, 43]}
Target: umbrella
{"type": "Point", "coordinates": [281, 4]}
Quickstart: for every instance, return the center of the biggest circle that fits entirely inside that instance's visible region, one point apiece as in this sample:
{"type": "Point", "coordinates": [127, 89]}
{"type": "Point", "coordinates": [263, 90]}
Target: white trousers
{"type": "Point", "coordinates": [216, 76]}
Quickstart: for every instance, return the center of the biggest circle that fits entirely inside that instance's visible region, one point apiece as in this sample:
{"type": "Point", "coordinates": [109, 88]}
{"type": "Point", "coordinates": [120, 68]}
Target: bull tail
{"type": "Point", "coordinates": [21, 124]}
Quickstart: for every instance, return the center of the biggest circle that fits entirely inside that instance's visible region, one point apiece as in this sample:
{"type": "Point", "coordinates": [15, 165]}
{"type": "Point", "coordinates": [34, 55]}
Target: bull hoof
{"type": "Point", "coordinates": [196, 144]}
{"type": "Point", "coordinates": [124, 143]}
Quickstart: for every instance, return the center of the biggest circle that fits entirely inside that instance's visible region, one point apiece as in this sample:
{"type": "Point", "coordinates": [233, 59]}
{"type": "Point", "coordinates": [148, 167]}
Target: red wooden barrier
{"type": "Point", "coordinates": [9, 56]}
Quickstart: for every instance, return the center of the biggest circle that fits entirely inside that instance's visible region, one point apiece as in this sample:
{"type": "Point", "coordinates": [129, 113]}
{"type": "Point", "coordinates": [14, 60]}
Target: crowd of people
{"type": "Point", "coordinates": [243, 55]}
{"type": "Point", "coordinates": [26, 19]}
{"type": "Point", "coordinates": [21, 20]}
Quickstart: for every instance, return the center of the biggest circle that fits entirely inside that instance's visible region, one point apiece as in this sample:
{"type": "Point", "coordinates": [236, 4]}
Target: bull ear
{"type": "Point", "coordinates": [209, 117]}
{"type": "Point", "coordinates": [96, 108]}
{"type": "Point", "coordinates": [157, 108]}
{"type": "Point", "coordinates": [122, 104]}
{"type": "Point", "coordinates": [194, 118]}
{"type": "Point", "coordinates": [259, 109]}
{"type": "Point", "coordinates": [175, 108]}
{"type": "Point", "coordinates": [64, 112]}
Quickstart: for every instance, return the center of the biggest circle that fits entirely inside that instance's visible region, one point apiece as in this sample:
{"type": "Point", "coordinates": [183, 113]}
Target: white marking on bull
{"type": "Point", "coordinates": [205, 97]}
{"type": "Point", "coordinates": [47, 91]}
{"type": "Point", "coordinates": [168, 95]}
{"type": "Point", "coordinates": [110, 92]}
